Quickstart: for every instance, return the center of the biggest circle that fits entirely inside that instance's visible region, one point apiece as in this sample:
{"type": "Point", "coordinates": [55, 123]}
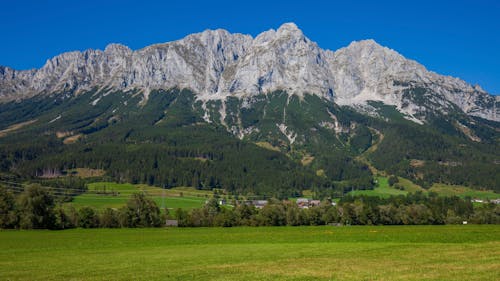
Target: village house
{"type": "Point", "coordinates": [171, 223]}
{"type": "Point", "coordinates": [305, 203]}
{"type": "Point", "coordinates": [313, 203]}
{"type": "Point", "coordinates": [259, 204]}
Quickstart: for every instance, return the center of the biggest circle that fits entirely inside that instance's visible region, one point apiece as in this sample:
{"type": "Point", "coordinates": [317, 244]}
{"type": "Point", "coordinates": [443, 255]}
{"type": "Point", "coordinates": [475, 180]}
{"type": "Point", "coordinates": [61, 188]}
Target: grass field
{"type": "Point", "coordinates": [382, 189]}
{"type": "Point", "coordinates": [186, 198]}
{"type": "Point", "coordinates": [462, 191]}
{"type": "Point", "coordinates": [459, 252]}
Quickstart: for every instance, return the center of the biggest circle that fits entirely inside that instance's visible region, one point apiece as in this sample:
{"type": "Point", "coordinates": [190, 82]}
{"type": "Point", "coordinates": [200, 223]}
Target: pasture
{"type": "Point", "coordinates": [101, 195]}
{"type": "Point", "coordinates": [454, 252]}
{"type": "Point", "coordinates": [383, 190]}
{"type": "Point", "coordinates": [462, 191]}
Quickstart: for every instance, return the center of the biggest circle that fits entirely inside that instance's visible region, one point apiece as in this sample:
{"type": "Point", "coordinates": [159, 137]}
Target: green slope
{"type": "Point", "coordinates": [171, 140]}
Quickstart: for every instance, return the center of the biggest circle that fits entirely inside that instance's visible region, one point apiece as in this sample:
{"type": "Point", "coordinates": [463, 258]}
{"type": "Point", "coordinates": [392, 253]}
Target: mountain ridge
{"type": "Point", "coordinates": [216, 64]}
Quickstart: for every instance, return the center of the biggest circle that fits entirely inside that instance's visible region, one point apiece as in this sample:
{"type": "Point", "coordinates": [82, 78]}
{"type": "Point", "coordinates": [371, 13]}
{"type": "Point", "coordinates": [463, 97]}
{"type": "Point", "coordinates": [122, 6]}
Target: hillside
{"type": "Point", "coordinates": [273, 116]}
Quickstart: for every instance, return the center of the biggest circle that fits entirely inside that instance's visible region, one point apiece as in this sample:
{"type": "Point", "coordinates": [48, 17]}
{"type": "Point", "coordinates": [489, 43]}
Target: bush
{"type": "Point", "coordinates": [36, 208]}
{"type": "Point", "coordinates": [141, 211]}
{"type": "Point", "coordinates": [110, 218]}
{"type": "Point", "coordinates": [88, 218]}
{"type": "Point", "coordinates": [393, 180]}
{"type": "Point", "coordinates": [8, 216]}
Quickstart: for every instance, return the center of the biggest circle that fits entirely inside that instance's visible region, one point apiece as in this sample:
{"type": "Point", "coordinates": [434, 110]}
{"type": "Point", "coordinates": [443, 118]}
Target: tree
{"type": "Point", "coordinates": [36, 206]}
{"type": "Point", "coordinates": [388, 214]}
{"type": "Point", "coordinates": [141, 211]}
{"type": "Point", "coordinates": [182, 217]}
{"type": "Point", "coordinates": [62, 220]}
{"type": "Point", "coordinates": [109, 218]}
{"type": "Point", "coordinates": [245, 214]}
{"type": "Point", "coordinates": [292, 214]}
{"type": "Point", "coordinates": [393, 180]}
{"type": "Point", "coordinates": [226, 218]}
{"type": "Point", "coordinates": [273, 215]}
{"type": "Point", "coordinates": [8, 217]}
{"type": "Point", "coordinates": [88, 218]}
{"type": "Point", "coordinates": [417, 214]}
{"type": "Point", "coordinates": [72, 215]}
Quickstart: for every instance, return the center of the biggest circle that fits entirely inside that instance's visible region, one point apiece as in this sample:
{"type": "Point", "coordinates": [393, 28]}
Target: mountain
{"type": "Point", "coordinates": [216, 64]}
{"type": "Point", "coordinates": [212, 110]}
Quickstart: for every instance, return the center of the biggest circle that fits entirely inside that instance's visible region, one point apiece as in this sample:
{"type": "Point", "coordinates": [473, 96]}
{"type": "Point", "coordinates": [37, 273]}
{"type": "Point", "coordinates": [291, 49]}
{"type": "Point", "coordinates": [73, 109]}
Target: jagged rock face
{"type": "Point", "coordinates": [366, 71]}
{"type": "Point", "coordinates": [280, 60]}
{"type": "Point", "coordinates": [216, 64]}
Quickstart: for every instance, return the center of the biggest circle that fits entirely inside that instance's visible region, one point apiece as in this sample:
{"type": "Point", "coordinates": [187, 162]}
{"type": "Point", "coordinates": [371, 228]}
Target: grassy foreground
{"type": "Point", "coordinates": [265, 253]}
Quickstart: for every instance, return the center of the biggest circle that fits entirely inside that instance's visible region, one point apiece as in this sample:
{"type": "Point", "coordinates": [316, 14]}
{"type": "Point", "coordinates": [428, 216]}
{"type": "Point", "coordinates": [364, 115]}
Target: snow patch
{"type": "Point", "coordinates": [94, 102]}
{"type": "Point", "coordinates": [223, 114]}
{"type": "Point", "coordinates": [291, 136]}
{"type": "Point", "coordinates": [55, 119]}
{"type": "Point", "coordinates": [206, 115]}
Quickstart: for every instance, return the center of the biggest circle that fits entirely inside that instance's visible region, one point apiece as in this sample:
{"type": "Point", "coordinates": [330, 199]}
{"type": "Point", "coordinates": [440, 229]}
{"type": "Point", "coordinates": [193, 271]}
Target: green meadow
{"type": "Point", "coordinates": [101, 195]}
{"type": "Point", "coordinates": [383, 190]}
{"type": "Point", "coordinates": [453, 252]}
{"type": "Point", "coordinates": [462, 191]}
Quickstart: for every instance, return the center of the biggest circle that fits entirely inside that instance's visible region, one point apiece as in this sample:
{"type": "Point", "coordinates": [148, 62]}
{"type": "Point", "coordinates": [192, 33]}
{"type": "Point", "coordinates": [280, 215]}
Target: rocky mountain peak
{"type": "Point", "coordinates": [289, 29]}
{"type": "Point", "coordinates": [215, 64]}
{"type": "Point", "coordinates": [117, 49]}
{"type": "Point", "coordinates": [279, 60]}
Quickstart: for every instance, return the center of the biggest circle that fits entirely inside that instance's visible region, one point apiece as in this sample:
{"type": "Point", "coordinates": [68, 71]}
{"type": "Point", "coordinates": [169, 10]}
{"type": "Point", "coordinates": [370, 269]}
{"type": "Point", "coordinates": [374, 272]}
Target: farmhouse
{"type": "Point", "coordinates": [171, 223]}
{"type": "Point", "coordinates": [259, 204]}
{"type": "Point", "coordinates": [313, 203]}
{"type": "Point", "coordinates": [305, 203]}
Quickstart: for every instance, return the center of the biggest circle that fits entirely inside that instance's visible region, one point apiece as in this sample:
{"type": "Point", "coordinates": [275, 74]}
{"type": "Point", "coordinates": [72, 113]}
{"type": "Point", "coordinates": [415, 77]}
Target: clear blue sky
{"type": "Point", "coordinates": [458, 38]}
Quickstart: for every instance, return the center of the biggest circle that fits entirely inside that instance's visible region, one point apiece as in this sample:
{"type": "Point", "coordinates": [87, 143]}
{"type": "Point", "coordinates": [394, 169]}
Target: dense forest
{"type": "Point", "coordinates": [274, 145]}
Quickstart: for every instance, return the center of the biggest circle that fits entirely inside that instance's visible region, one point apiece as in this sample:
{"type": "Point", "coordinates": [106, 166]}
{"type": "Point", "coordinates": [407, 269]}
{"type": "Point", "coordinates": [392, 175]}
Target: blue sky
{"type": "Point", "coordinates": [458, 38]}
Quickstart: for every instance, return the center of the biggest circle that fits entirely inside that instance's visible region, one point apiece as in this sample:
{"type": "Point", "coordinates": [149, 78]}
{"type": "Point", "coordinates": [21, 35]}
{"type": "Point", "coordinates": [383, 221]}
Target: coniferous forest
{"type": "Point", "coordinates": [170, 141]}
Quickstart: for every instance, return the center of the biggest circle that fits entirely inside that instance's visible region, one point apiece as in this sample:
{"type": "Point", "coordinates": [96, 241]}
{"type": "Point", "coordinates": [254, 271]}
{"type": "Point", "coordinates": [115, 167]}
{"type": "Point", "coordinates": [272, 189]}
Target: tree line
{"type": "Point", "coordinates": [413, 209]}
{"type": "Point", "coordinates": [37, 208]}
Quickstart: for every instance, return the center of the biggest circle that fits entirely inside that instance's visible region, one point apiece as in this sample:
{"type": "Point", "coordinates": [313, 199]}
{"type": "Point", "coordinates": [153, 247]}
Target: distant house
{"type": "Point", "coordinates": [303, 203]}
{"type": "Point", "coordinates": [313, 203]}
{"type": "Point", "coordinates": [495, 201]}
{"type": "Point", "coordinates": [475, 200]}
{"type": "Point", "coordinates": [171, 223]}
{"type": "Point", "coordinates": [222, 202]}
{"type": "Point", "coordinates": [259, 204]}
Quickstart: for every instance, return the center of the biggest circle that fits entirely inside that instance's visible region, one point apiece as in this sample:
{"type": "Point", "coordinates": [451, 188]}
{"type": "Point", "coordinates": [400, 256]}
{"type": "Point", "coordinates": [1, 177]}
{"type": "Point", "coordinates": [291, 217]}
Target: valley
{"type": "Point", "coordinates": [151, 140]}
